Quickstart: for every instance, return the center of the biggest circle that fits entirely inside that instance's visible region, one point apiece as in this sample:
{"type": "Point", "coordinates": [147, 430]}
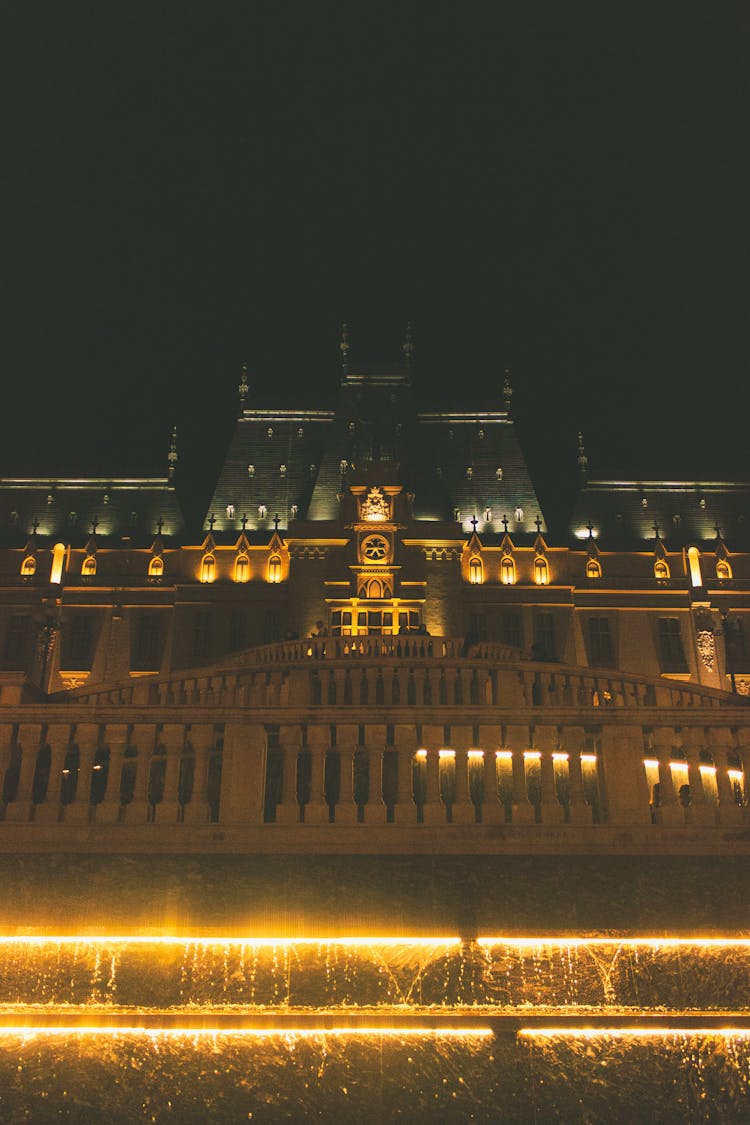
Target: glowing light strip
{"type": "Point", "coordinates": [268, 943]}
{"type": "Point", "coordinates": [248, 1032]}
{"type": "Point", "coordinates": [640, 942]}
{"type": "Point", "coordinates": [628, 1032]}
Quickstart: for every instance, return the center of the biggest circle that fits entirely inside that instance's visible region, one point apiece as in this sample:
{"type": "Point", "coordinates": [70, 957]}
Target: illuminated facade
{"type": "Point", "coordinates": [374, 641]}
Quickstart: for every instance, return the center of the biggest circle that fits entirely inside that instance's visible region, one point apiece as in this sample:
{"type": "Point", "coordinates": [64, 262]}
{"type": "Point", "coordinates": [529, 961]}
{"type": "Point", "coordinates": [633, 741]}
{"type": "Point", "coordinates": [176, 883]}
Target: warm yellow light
{"type": "Point", "coordinates": [706, 769]}
{"type": "Point", "coordinates": [532, 755]}
{"type": "Point", "coordinates": [629, 1032]}
{"type": "Point", "coordinates": [58, 558]}
{"type": "Point", "coordinates": [446, 753]}
{"type": "Point", "coordinates": [651, 763]}
{"type": "Point", "coordinates": [28, 566]}
{"type": "Point", "coordinates": [257, 1032]}
{"type": "Point", "coordinates": [541, 571]}
{"type": "Point", "coordinates": [588, 759]}
{"type": "Point", "coordinates": [476, 755]}
{"type": "Point", "coordinates": [475, 572]}
{"type": "Point", "coordinates": [208, 568]}
{"type": "Point", "coordinates": [508, 571]}
{"type": "Point", "coordinates": [506, 755]}
{"type": "Point", "coordinates": [695, 567]}
{"type": "Point", "coordinates": [560, 757]}
{"type": "Point", "coordinates": [571, 941]}
{"type": "Point", "coordinates": [226, 940]}
{"type": "Point", "coordinates": [274, 569]}
{"type": "Point", "coordinates": [735, 775]}
{"type": "Point", "coordinates": [421, 754]}
{"type": "Point", "coordinates": [156, 567]}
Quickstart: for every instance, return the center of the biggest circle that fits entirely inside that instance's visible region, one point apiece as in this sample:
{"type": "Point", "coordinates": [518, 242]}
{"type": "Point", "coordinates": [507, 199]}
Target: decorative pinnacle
{"type": "Point", "coordinates": [243, 387]}
{"type": "Point", "coordinates": [408, 345]}
{"type": "Point", "coordinates": [583, 461]}
{"type": "Point", "coordinates": [344, 348]}
{"type": "Point", "coordinates": [507, 390]}
{"type": "Point", "coordinates": [172, 455]}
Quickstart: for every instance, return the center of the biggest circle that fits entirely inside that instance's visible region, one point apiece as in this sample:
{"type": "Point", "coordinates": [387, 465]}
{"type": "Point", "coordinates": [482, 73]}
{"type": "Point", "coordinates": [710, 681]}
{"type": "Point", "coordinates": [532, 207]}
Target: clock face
{"type": "Point", "coordinates": [375, 548]}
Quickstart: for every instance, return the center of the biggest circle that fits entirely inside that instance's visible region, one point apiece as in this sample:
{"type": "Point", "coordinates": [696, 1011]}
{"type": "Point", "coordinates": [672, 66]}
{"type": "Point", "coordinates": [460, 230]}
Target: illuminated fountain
{"type": "Point", "coordinates": [376, 1028]}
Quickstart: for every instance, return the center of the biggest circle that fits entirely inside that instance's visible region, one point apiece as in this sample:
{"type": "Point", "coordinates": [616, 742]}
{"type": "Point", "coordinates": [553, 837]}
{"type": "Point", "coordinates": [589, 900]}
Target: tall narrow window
{"type": "Point", "coordinates": [601, 649]}
{"type": "Point", "coordinates": [510, 628]}
{"type": "Point", "coordinates": [508, 571]}
{"type": "Point", "coordinates": [208, 568]}
{"type": "Point", "coordinates": [694, 565]}
{"type": "Point", "coordinates": [671, 650]}
{"type": "Point", "coordinates": [723, 570]}
{"type": "Point", "coordinates": [475, 572]}
{"type": "Point", "coordinates": [274, 569]}
{"type": "Point", "coordinates": [156, 567]}
{"type": "Point", "coordinates": [88, 570]}
{"type": "Point", "coordinates": [541, 571]}
{"type": "Point", "coordinates": [242, 568]}
{"type": "Point", "coordinates": [58, 558]}
{"type": "Point", "coordinates": [544, 636]}
{"type": "Point", "coordinates": [147, 653]}
{"type": "Point", "coordinates": [593, 569]}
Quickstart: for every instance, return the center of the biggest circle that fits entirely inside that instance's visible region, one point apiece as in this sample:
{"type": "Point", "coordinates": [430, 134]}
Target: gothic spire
{"type": "Point", "coordinates": [507, 391]}
{"type": "Point", "coordinates": [344, 349]}
{"type": "Point", "coordinates": [583, 461]}
{"type": "Point", "coordinates": [243, 387]}
{"type": "Point", "coordinates": [172, 455]}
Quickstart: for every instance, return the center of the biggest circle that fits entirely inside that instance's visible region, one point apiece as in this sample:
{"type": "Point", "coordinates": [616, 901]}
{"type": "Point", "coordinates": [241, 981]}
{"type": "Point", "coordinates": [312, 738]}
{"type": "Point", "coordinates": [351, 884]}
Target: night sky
{"type": "Point", "coordinates": [557, 188]}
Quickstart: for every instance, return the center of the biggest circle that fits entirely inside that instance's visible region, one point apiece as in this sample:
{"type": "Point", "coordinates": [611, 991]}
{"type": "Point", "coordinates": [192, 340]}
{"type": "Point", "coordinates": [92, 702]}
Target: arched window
{"type": "Point", "coordinates": [58, 558]}
{"type": "Point", "coordinates": [661, 570]}
{"type": "Point", "coordinates": [156, 567]}
{"type": "Point", "coordinates": [208, 567]}
{"type": "Point", "coordinates": [541, 571]}
{"type": "Point", "coordinates": [230, 511]}
{"type": "Point", "coordinates": [694, 563]}
{"type": "Point", "coordinates": [593, 569]}
{"type": "Point", "coordinates": [476, 574]}
{"type": "Point", "coordinates": [723, 569]}
{"type": "Point", "coordinates": [28, 566]}
{"type": "Point", "coordinates": [89, 566]}
{"type": "Point", "coordinates": [375, 588]}
{"type": "Point", "coordinates": [508, 571]}
{"type": "Point", "coordinates": [242, 569]}
{"type": "Point", "coordinates": [274, 569]}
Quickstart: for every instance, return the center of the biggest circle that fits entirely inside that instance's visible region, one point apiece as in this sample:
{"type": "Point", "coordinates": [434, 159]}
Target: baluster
{"type": "Point", "coordinates": [115, 738]}
{"type": "Point", "coordinates": [87, 740]}
{"type": "Point", "coordinates": [173, 740]}
{"type": "Point", "coordinates": [579, 810]}
{"type": "Point", "coordinates": [729, 812]}
{"type": "Point", "coordinates": [463, 811]}
{"type": "Point", "coordinates": [404, 809]}
{"type": "Point", "coordinates": [434, 809]}
{"type": "Point", "coordinates": [346, 809]}
{"type": "Point", "coordinates": [492, 811]}
{"type": "Point", "coordinates": [668, 810]}
{"type": "Point", "coordinates": [28, 740]}
{"type": "Point", "coordinates": [201, 737]}
{"type": "Point", "coordinates": [288, 810]}
{"type": "Point", "coordinates": [58, 740]}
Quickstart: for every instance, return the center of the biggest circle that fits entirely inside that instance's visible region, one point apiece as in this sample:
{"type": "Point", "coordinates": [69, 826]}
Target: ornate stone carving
{"type": "Point", "coordinates": [375, 506]}
{"type": "Point", "coordinates": [706, 648]}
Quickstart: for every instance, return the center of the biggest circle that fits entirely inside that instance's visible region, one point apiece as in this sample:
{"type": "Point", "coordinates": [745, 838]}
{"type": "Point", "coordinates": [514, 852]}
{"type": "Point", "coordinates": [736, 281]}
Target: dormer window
{"type": "Point", "coordinates": [487, 515]}
{"type": "Point", "coordinates": [457, 515]}
{"type": "Point", "coordinates": [476, 574]}
{"type": "Point", "coordinates": [508, 571]}
{"type": "Point", "coordinates": [282, 470]}
{"type": "Point", "coordinates": [469, 472]}
{"type": "Point", "coordinates": [541, 571]}
{"type": "Point", "coordinates": [230, 511]}
{"type": "Point", "coordinates": [519, 515]}
{"type": "Point", "coordinates": [293, 511]}
{"type": "Point", "coordinates": [28, 566]}
{"type": "Point", "coordinates": [242, 568]}
{"type": "Point", "coordinates": [72, 517]}
{"type": "Point", "coordinates": [723, 570]}
{"type": "Point", "coordinates": [644, 502]}
{"type": "Point", "coordinates": [593, 569]}
{"type": "Point", "coordinates": [88, 570]}
{"type": "Point", "coordinates": [50, 498]}
{"type": "Point", "coordinates": [208, 568]}
{"type": "Point", "coordinates": [499, 473]}
{"type": "Point", "coordinates": [251, 470]}
{"type": "Point", "coordinates": [274, 569]}
{"type": "Point", "coordinates": [661, 570]}
{"type": "Point", "coordinates": [313, 470]}
{"type": "Point", "coordinates": [480, 435]}
{"type": "Point", "coordinates": [269, 431]}
{"type": "Point", "coordinates": [262, 511]}
{"type": "Point", "coordinates": [156, 567]}
{"type": "Point", "coordinates": [14, 517]}
{"type": "Point", "coordinates": [105, 498]}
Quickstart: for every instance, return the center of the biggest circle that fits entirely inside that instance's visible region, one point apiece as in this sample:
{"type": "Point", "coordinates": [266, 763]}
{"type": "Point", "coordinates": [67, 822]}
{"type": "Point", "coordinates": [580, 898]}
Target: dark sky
{"type": "Point", "coordinates": [559, 188]}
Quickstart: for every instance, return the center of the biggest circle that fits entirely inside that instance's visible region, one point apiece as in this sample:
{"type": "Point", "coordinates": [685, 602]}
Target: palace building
{"type": "Point", "coordinates": [374, 643]}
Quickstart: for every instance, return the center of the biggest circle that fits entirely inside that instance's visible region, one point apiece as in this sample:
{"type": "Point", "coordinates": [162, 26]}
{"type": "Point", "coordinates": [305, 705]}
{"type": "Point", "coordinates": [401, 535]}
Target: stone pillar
{"type": "Point", "coordinates": [29, 735]}
{"type": "Point", "coordinates": [405, 808]}
{"type": "Point", "coordinates": [545, 741]}
{"type": "Point", "coordinates": [346, 810]}
{"type": "Point", "coordinates": [623, 786]}
{"type": "Point", "coordinates": [729, 812]}
{"type": "Point", "coordinates": [202, 739]}
{"type": "Point", "coordinates": [492, 811]}
{"type": "Point", "coordinates": [318, 741]}
{"type": "Point", "coordinates": [523, 810]}
{"type": "Point", "coordinates": [287, 810]}
{"type": "Point", "coordinates": [669, 812]}
{"type": "Point", "coordinates": [702, 807]}
{"type": "Point", "coordinates": [116, 735]}
{"type": "Point", "coordinates": [243, 774]}
{"type": "Point", "coordinates": [173, 741]}
{"type": "Point", "coordinates": [433, 811]}
{"type": "Point", "coordinates": [58, 740]}
{"type": "Point", "coordinates": [579, 810]}
{"type": "Point", "coordinates": [87, 741]}
{"type": "Point", "coordinates": [142, 738]}
{"type": "Point", "coordinates": [375, 733]}
{"type": "Point", "coordinates": [463, 811]}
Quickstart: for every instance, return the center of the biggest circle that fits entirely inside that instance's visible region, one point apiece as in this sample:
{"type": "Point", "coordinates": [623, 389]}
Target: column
{"type": "Point", "coordinates": [87, 741]}
{"type": "Point", "coordinates": [375, 734]}
{"type": "Point", "coordinates": [318, 742]}
{"type": "Point", "coordinates": [201, 737]}
{"type": "Point", "coordinates": [28, 740]}
{"type": "Point", "coordinates": [552, 810]}
{"type": "Point", "coordinates": [729, 812]}
{"type": "Point", "coordinates": [287, 810]}
{"type": "Point", "coordinates": [58, 740]}
{"type": "Point", "coordinates": [405, 738]}
{"type": "Point", "coordinates": [523, 810]}
{"type": "Point", "coordinates": [492, 811]}
{"type": "Point", "coordinates": [346, 810]}
{"type": "Point", "coordinates": [142, 738]}
{"type": "Point", "coordinates": [668, 811]}
{"type": "Point", "coordinates": [173, 741]}
{"type": "Point", "coordinates": [463, 811]}
{"type": "Point", "coordinates": [702, 807]}
{"type": "Point", "coordinates": [580, 811]}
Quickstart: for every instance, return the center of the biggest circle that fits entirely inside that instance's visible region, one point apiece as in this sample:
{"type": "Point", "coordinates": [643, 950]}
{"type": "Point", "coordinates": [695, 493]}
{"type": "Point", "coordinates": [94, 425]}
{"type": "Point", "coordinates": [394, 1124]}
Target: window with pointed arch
{"type": "Point", "coordinates": [593, 569]}
{"type": "Point", "coordinates": [661, 570]}
{"type": "Point", "coordinates": [242, 568]}
{"type": "Point", "coordinates": [156, 567]}
{"type": "Point", "coordinates": [476, 571]}
{"type": "Point", "coordinates": [88, 570]}
{"type": "Point", "coordinates": [508, 571]}
{"type": "Point", "coordinates": [723, 570]}
{"type": "Point", "coordinates": [274, 569]}
{"type": "Point", "coordinates": [28, 566]}
{"type": "Point", "coordinates": [208, 568]}
{"type": "Point", "coordinates": [541, 571]}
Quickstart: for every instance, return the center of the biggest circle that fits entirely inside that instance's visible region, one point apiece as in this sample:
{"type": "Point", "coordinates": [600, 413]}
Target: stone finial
{"type": "Point", "coordinates": [172, 455]}
{"type": "Point", "coordinates": [243, 387]}
{"type": "Point", "coordinates": [507, 390]}
{"type": "Point", "coordinates": [344, 349]}
{"type": "Point", "coordinates": [583, 461]}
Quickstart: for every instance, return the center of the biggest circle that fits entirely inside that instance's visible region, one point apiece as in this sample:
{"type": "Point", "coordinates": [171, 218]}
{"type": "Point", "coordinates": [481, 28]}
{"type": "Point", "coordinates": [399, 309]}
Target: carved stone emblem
{"type": "Point", "coordinates": [375, 506]}
{"type": "Point", "coordinates": [706, 648]}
